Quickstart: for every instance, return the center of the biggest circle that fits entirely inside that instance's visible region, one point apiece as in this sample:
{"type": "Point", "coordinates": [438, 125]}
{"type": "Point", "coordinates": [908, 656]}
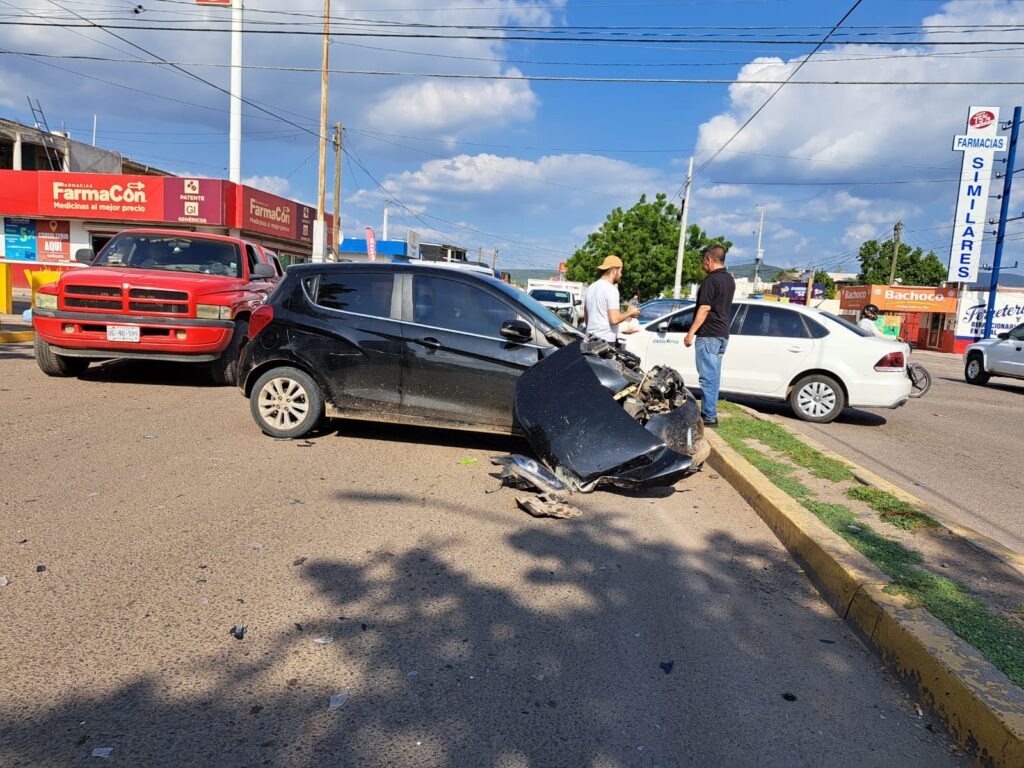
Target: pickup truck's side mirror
{"type": "Point", "coordinates": [518, 331]}
{"type": "Point", "coordinates": [85, 255]}
{"type": "Point", "coordinates": [1003, 336]}
{"type": "Point", "coordinates": [262, 271]}
{"type": "Point", "coordinates": [578, 302]}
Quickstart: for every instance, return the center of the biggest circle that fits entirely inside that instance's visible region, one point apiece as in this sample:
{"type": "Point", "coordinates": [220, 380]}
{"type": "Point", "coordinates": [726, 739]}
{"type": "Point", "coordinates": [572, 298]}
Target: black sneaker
{"type": "Point", "coordinates": [709, 422]}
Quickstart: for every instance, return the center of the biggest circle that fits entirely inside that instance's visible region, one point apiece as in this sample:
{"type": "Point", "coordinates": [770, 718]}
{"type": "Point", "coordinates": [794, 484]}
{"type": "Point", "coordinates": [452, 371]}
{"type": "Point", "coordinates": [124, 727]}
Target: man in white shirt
{"type": "Point", "coordinates": [601, 305]}
{"type": "Point", "coordinates": [868, 316]}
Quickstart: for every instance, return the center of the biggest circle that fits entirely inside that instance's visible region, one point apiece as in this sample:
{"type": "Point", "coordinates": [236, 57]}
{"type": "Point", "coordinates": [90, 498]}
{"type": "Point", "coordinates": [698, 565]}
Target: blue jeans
{"type": "Point", "coordinates": [710, 350]}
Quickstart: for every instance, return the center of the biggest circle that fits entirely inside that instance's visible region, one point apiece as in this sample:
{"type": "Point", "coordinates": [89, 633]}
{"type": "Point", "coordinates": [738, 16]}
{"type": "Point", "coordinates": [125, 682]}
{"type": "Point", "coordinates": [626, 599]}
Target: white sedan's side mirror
{"type": "Point", "coordinates": [662, 327]}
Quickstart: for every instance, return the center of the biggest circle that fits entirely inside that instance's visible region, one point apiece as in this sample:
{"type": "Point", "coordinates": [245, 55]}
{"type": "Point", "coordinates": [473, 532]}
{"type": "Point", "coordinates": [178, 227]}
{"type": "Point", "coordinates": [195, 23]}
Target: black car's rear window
{"type": "Point", "coordinates": [367, 293]}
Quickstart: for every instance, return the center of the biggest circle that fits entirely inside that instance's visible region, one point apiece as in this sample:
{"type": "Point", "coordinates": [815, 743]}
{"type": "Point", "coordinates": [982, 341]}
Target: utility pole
{"type": "Point", "coordinates": [94, 130]}
{"type": "Point", "coordinates": [384, 229]}
{"type": "Point", "coordinates": [1011, 157]}
{"type": "Point", "coordinates": [319, 229]}
{"type": "Point", "coordinates": [897, 235]}
{"type": "Point", "coordinates": [681, 252]}
{"type": "Point", "coordinates": [336, 234]}
{"type": "Point", "coordinates": [810, 286]}
{"type": "Point", "coordinates": [494, 260]}
{"type": "Point", "coordinates": [235, 149]}
{"type": "Point", "coordinates": [759, 256]}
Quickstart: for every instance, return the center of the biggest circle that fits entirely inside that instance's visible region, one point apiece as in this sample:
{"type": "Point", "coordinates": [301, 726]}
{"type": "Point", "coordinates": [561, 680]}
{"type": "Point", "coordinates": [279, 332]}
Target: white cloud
{"type": "Point", "coordinates": [864, 130]}
{"type": "Point", "coordinates": [486, 180]}
{"type": "Point", "coordinates": [722, 191]}
{"type": "Point", "coordinates": [454, 106]}
{"type": "Point", "coordinates": [276, 185]}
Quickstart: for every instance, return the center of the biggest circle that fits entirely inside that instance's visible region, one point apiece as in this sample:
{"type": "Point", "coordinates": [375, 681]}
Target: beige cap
{"type": "Point", "coordinates": [610, 262]}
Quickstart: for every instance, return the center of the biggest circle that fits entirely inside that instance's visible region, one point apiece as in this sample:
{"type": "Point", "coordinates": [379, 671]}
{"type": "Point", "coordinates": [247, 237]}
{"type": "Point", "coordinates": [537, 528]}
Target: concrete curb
{"type": "Point", "coordinates": [16, 337]}
{"type": "Point", "coordinates": [980, 705]}
{"type": "Point", "coordinates": [866, 477]}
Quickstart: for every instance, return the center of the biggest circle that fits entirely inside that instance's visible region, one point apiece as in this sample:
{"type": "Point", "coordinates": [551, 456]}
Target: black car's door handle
{"type": "Point", "coordinates": [429, 343]}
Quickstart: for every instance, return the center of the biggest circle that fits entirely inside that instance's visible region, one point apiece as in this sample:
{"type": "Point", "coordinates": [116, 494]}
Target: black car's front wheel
{"type": "Point", "coordinates": [286, 403]}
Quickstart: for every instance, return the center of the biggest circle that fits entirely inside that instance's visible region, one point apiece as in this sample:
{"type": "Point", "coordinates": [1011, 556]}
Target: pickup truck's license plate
{"type": "Point", "coordinates": [122, 333]}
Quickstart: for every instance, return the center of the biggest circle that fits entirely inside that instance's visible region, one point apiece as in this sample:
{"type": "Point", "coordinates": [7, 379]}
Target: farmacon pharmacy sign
{"type": "Point", "coordinates": [132, 198]}
{"type": "Point", "coordinates": [101, 196]}
{"type": "Point", "coordinates": [899, 298]}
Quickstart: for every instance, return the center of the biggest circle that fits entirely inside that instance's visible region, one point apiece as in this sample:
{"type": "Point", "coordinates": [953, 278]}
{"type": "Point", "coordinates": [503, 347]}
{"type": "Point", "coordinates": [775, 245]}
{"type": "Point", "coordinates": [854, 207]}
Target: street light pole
{"type": "Point", "coordinates": [1011, 158]}
{"type": "Point", "coordinates": [897, 235]}
{"type": "Point", "coordinates": [235, 150]}
{"type": "Point", "coordinates": [681, 252]}
{"type": "Point", "coordinates": [759, 255]}
{"type": "Point", "coordinates": [319, 226]}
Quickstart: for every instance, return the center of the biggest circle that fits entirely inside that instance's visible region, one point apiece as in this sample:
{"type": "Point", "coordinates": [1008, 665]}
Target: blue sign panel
{"type": "Point", "coordinates": [20, 239]}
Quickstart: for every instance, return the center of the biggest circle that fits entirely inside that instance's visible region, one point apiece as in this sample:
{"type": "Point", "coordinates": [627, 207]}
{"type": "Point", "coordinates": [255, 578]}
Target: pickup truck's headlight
{"type": "Point", "coordinates": [46, 301]}
{"type": "Point", "coordinates": [213, 312]}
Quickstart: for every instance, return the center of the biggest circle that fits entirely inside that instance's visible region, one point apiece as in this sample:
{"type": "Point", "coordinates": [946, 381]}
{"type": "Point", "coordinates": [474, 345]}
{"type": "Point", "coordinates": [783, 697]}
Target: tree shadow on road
{"type": "Point", "coordinates": [577, 643]}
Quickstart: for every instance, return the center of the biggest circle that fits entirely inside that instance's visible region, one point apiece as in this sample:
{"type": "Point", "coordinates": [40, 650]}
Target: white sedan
{"type": "Point", "coordinates": [820, 363]}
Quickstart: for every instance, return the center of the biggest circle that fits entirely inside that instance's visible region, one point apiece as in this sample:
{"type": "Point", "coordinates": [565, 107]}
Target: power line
{"type": "Point", "coordinates": [652, 38]}
{"type": "Point", "coordinates": [520, 77]}
{"type": "Point", "coordinates": [775, 93]}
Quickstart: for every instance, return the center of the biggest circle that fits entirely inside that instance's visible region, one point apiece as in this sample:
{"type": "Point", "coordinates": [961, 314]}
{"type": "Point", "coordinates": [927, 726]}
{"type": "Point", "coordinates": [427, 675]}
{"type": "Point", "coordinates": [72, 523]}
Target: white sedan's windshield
{"type": "Point", "coordinates": [172, 253]}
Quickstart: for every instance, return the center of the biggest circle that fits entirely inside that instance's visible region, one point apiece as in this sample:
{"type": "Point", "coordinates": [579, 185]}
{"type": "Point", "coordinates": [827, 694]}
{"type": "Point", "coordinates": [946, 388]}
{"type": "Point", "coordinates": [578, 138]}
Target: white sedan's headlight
{"type": "Point", "coordinates": [46, 301]}
{"type": "Point", "coordinates": [213, 312]}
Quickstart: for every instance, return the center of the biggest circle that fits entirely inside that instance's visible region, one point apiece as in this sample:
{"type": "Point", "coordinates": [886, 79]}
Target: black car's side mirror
{"type": "Point", "coordinates": [518, 331]}
{"type": "Point", "coordinates": [85, 255]}
{"type": "Point", "coordinates": [262, 271]}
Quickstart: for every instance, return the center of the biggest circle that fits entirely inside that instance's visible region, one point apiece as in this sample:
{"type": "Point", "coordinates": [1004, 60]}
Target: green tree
{"type": "Point", "coordinates": [646, 238]}
{"type": "Point", "coordinates": [830, 284]}
{"type": "Point", "coordinates": [913, 266]}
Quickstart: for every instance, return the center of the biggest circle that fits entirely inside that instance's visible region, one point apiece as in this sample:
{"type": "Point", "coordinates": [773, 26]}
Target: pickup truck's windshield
{"type": "Point", "coordinates": [172, 253]}
{"type": "Point", "coordinates": [555, 297]}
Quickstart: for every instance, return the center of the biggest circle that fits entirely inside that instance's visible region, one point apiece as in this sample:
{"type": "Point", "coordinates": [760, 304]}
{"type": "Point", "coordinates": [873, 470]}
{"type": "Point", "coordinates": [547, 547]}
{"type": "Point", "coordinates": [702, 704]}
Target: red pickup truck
{"type": "Point", "coordinates": [154, 295]}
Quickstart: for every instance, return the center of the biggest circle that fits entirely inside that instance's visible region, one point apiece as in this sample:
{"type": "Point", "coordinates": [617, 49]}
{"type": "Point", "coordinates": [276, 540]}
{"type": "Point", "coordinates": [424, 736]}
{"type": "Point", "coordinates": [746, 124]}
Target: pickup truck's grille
{"type": "Point", "coordinates": [151, 293]}
{"type": "Point", "coordinates": [93, 290]}
{"type": "Point", "coordinates": [110, 304]}
{"type": "Point", "coordinates": [154, 306]}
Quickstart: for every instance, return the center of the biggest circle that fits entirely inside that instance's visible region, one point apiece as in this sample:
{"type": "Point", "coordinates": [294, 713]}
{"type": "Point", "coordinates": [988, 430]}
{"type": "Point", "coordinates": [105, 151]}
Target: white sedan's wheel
{"type": "Point", "coordinates": [286, 402]}
{"type": "Point", "coordinates": [817, 398]}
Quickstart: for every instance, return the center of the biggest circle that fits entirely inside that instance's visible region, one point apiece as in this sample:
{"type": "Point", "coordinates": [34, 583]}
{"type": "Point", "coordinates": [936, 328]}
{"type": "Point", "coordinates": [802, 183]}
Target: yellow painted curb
{"type": "Point", "coordinates": [867, 477]}
{"type": "Point", "coordinates": [16, 337]}
{"type": "Point", "coordinates": [981, 706]}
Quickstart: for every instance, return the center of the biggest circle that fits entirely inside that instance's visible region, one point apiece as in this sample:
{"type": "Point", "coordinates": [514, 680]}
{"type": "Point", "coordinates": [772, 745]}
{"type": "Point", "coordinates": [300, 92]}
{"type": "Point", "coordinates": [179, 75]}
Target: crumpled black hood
{"type": "Point", "coordinates": [565, 407]}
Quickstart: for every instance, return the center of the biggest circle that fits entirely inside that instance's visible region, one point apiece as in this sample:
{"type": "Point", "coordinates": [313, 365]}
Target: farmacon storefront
{"type": "Point", "coordinates": [924, 316]}
{"type": "Point", "coordinates": [46, 217]}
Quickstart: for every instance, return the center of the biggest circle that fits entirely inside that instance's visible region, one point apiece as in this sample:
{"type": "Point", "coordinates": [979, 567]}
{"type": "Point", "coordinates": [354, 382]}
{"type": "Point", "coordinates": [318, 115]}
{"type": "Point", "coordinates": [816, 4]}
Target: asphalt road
{"type": "Point", "coordinates": [654, 630]}
{"type": "Point", "coordinates": [957, 448]}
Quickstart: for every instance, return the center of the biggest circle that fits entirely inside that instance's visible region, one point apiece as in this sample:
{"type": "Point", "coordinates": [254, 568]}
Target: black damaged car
{"type": "Point", "coordinates": [442, 347]}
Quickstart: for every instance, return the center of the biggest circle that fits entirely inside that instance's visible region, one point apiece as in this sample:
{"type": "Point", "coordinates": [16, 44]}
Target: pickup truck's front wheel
{"type": "Point", "coordinates": [225, 368]}
{"type": "Point", "coordinates": [286, 402]}
{"type": "Point", "coordinates": [53, 364]}
{"type": "Point", "coordinates": [974, 371]}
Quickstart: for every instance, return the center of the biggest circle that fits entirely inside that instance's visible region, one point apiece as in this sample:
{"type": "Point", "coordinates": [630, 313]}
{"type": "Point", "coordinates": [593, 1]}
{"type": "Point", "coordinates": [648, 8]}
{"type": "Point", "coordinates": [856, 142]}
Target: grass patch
{"type": "Point", "coordinates": [997, 638]}
{"type": "Point", "coordinates": [736, 430]}
{"type": "Point", "coordinates": [892, 509]}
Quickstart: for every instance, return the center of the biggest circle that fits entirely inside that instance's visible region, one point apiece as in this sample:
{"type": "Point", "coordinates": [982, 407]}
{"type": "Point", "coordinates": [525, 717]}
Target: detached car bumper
{"type": "Point", "coordinates": [570, 408]}
{"type": "Point", "coordinates": [169, 338]}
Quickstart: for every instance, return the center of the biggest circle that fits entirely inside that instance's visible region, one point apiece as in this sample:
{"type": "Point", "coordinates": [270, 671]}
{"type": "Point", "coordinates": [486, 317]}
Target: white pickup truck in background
{"type": "Point", "coordinates": [562, 297]}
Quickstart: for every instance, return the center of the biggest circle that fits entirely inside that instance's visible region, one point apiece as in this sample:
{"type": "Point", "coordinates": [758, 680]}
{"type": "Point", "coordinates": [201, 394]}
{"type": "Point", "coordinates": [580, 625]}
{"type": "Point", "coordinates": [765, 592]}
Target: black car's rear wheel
{"type": "Point", "coordinates": [286, 403]}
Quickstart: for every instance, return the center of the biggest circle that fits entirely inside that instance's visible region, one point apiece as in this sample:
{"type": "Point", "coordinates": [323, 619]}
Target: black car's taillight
{"type": "Point", "coordinates": [260, 319]}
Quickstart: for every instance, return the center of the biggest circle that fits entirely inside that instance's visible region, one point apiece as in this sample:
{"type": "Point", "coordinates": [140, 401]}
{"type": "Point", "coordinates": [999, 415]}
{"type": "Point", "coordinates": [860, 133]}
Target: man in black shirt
{"type": "Point", "coordinates": [711, 329]}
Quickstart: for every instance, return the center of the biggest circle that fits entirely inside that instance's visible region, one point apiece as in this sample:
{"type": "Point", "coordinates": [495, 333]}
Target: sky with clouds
{"type": "Point", "coordinates": [532, 166]}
